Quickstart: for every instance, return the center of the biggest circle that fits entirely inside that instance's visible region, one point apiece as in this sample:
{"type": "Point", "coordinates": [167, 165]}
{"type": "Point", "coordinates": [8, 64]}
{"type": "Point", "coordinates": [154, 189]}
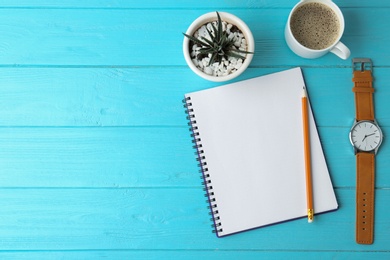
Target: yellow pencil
{"type": "Point", "coordinates": [306, 141]}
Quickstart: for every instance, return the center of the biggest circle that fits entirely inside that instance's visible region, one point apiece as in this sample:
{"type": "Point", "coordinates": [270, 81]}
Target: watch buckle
{"type": "Point", "coordinates": [361, 64]}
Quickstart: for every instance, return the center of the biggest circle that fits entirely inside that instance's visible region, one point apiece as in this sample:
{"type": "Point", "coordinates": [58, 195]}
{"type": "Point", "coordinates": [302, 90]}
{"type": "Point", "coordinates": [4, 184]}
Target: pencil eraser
{"type": "Point", "coordinates": [309, 220]}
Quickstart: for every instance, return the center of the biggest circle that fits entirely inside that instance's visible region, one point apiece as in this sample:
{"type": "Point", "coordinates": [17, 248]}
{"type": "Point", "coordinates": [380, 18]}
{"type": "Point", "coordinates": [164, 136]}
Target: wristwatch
{"type": "Point", "coordinates": [366, 137]}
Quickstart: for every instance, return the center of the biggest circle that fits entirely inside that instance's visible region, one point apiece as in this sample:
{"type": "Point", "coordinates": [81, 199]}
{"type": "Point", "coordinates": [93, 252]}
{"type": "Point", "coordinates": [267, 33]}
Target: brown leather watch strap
{"type": "Point", "coordinates": [365, 161]}
{"type": "Point", "coordinates": [363, 95]}
{"type": "Point", "coordinates": [365, 190]}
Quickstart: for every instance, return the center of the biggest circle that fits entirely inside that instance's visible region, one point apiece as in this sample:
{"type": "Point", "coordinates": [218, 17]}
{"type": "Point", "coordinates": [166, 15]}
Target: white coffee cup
{"type": "Point", "coordinates": [337, 47]}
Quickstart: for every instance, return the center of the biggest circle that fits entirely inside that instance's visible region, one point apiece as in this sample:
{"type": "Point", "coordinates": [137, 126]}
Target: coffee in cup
{"type": "Point", "coordinates": [314, 28]}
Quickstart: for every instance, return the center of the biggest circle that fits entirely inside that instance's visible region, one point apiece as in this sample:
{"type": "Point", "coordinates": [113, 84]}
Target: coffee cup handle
{"type": "Point", "coordinates": [341, 50]}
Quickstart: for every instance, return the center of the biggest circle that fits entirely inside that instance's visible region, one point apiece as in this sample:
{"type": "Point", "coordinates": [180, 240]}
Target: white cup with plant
{"type": "Point", "coordinates": [218, 47]}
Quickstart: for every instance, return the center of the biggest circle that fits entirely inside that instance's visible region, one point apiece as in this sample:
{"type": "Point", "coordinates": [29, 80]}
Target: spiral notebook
{"type": "Point", "coordinates": [249, 140]}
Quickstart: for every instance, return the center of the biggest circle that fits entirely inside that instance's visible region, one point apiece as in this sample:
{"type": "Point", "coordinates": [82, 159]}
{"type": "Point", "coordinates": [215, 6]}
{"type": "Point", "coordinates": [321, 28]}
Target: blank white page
{"type": "Point", "coordinates": [252, 136]}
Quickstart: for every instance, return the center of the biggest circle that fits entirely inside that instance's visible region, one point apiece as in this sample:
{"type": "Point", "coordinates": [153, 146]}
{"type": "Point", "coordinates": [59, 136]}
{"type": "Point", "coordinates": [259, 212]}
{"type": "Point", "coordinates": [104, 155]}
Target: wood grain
{"type": "Point", "coordinates": [163, 219]}
{"type": "Point", "coordinates": [124, 37]}
{"type": "Point", "coordinates": [187, 254]}
{"type": "Point", "coordinates": [131, 157]}
{"type": "Point", "coordinates": [152, 96]}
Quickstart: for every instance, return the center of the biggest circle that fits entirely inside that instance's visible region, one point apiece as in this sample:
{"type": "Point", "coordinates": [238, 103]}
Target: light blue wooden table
{"type": "Point", "coordinates": [95, 154]}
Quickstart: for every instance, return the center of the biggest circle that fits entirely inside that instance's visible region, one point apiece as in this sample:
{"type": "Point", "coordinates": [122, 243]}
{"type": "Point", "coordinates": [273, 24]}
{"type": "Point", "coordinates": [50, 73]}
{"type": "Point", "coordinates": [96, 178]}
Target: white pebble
{"type": "Point", "coordinates": [208, 70]}
{"type": "Point", "coordinates": [202, 31]}
{"type": "Point", "coordinates": [237, 43]}
{"type": "Point", "coordinates": [238, 65]}
{"type": "Point", "coordinates": [229, 69]}
{"type": "Point", "coordinates": [223, 26]}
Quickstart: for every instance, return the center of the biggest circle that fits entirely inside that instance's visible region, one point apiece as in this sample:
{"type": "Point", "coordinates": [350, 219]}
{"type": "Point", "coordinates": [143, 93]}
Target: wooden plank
{"type": "Point", "coordinates": [151, 4]}
{"type": "Point", "coordinates": [189, 254]}
{"type": "Point", "coordinates": [137, 157]}
{"type": "Point", "coordinates": [97, 157]}
{"type": "Point", "coordinates": [124, 37]}
{"type": "Point", "coordinates": [152, 96]}
{"type": "Point", "coordinates": [164, 219]}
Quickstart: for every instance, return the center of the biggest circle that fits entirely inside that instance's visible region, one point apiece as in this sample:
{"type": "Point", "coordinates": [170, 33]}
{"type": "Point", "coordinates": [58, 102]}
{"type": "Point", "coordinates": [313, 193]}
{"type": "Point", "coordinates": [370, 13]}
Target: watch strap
{"type": "Point", "coordinates": [365, 191]}
{"type": "Point", "coordinates": [363, 95]}
{"type": "Point", "coordinates": [365, 162]}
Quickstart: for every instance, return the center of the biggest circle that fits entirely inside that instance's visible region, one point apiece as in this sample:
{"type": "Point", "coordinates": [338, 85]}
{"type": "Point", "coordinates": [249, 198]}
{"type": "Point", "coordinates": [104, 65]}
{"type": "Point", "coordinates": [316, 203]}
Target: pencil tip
{"type": "Point", "coordinates": [304, 94]}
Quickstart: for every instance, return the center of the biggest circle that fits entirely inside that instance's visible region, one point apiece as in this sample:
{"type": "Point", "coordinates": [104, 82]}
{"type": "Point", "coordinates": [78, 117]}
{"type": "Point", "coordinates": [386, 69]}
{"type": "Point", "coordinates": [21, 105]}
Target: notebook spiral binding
{"type": "Point", "coordinates": [200, 157]}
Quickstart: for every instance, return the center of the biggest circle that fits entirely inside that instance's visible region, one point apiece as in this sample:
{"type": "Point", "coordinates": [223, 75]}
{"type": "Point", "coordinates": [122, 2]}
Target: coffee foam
{"type": "Point", "coordinates": [315, 26]}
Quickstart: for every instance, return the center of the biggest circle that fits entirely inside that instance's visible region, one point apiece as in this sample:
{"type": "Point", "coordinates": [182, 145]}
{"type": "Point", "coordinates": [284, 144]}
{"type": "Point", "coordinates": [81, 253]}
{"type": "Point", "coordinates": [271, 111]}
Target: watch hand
{"type": "Point", "coordinates": [367, 136]}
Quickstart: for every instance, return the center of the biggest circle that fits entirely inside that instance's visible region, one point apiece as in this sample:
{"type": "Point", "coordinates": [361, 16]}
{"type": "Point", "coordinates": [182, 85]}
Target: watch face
{"type": "Point", "coordinates": [365, 136]}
